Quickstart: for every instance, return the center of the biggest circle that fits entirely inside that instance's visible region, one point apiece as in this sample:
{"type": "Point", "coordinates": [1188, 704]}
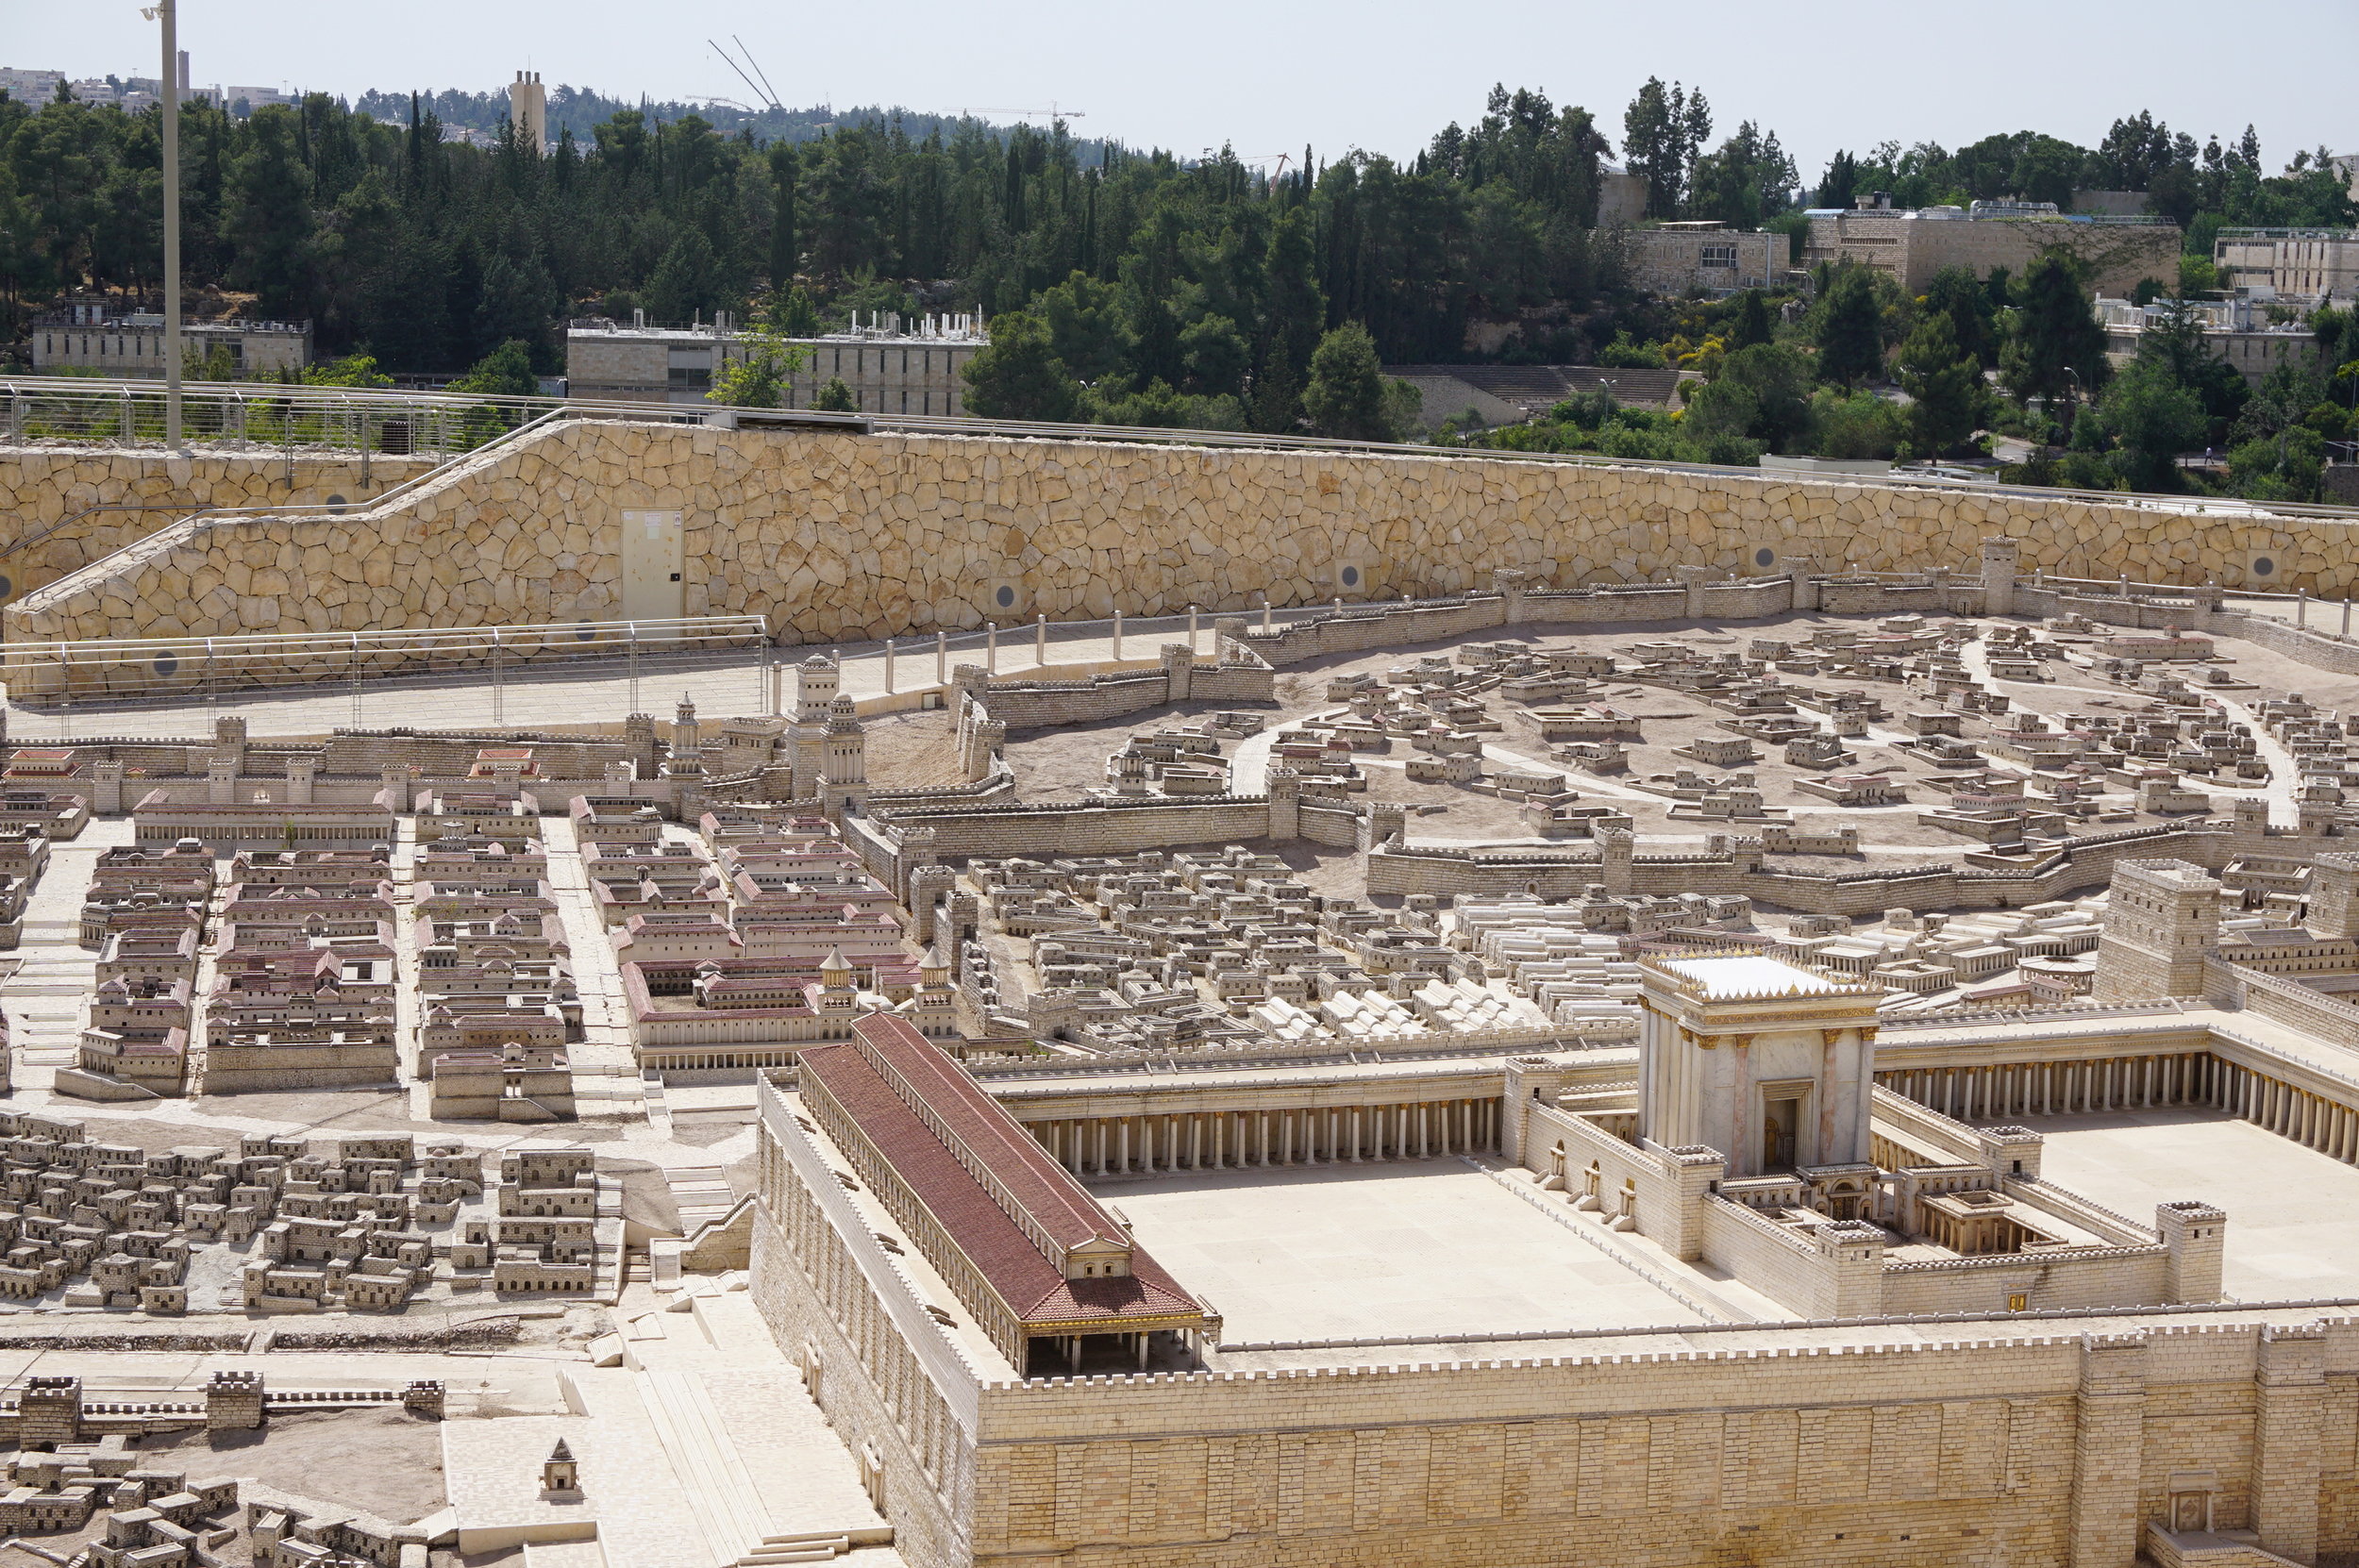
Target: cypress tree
{"type": "Point", "coordinates": [782, 246]}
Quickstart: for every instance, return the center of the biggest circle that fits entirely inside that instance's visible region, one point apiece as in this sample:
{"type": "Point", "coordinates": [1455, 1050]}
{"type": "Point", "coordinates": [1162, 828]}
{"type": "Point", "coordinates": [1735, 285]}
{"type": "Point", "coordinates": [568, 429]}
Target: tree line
{"type": "Point", "coordinates": [1122, 284]}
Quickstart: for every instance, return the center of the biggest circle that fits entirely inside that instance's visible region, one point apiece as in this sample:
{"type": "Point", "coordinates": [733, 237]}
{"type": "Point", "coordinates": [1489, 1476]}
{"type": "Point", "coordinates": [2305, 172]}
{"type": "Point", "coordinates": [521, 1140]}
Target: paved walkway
{"type": "Point", "coordinates": [737, 683]}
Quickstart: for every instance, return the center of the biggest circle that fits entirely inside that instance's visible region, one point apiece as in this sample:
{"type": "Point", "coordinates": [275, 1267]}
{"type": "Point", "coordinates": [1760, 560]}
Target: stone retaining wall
{"type": "Point", "coordinates": [41, 486]}
{"type": "Point", "coordinates": [850, 537]}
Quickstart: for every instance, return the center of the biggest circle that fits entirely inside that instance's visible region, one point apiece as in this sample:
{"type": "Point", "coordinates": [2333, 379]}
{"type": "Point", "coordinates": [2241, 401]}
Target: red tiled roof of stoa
{"type": "Point", "coordinates": [1011, 1210]}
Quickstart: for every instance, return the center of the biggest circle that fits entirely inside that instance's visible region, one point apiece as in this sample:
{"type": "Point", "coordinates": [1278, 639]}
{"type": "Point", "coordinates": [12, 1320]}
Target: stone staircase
{"type": "Point", "coordinates": [720, 1493]}
{"type": "Point", "coordinates": [44, 998]}
{"type": "Point", "coordinates": [702, 1194]}
{"type": "Point", "coordinates": [2162, 1548]}
{"type": "Point", "coordinates": [766, 1478]}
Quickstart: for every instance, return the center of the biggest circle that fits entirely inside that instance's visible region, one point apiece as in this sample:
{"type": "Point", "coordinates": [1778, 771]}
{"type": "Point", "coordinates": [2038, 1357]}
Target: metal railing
{"type": "Point", "coordinates": [189, 670]}
{"type": "Point", "coordinates": [267, 415]}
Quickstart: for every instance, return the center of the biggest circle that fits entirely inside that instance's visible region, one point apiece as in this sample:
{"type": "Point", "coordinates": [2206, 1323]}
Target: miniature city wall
{"type": "Point", "coordinates": [844, 536]}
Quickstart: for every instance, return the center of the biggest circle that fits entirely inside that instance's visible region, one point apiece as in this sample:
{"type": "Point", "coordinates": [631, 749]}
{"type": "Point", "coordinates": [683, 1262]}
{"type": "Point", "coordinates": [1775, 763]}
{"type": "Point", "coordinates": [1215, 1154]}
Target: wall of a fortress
{"type": "Point", "coordinates": [2058, 1448]}
{"type": "Point", "coordinates": [1442, 872]}
{"type": "Point", "coordinates": [839, 537]}
{"type": "Point", "coordinates": [41, 486]}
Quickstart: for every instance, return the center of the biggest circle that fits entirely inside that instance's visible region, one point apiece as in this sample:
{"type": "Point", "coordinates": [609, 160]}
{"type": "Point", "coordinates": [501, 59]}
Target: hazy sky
{"type": "Point", "coordinates": [1269, 76]}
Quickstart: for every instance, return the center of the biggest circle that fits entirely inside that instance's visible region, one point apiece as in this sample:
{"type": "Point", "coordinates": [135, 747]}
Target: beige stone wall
{"type": "Point", "coordinates": [1913, 249]}
{"type": "Point", "coordinates": [40, 487]}
{"type": "Point", "coordinates": [843, 536]}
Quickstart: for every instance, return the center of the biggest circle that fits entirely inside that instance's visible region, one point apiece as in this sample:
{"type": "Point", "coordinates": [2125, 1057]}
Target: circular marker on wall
{"type": "Point", "coordinates": [1005, 598]}
{"type": "Point", "coordinates": [166, 663]}
{"type": "Point", "coordinates": [335, 503]}
{"type": "Point", "coordinates": [1765, 557]}
{"type": "Point", "coordinates": [1351, 577]}
{"type": "Point", "coordinates": [2264, 566]}
{"type": "Point", "coordinates": [7, 585]}
{"type": "Point", "coordinates": [585, 633]}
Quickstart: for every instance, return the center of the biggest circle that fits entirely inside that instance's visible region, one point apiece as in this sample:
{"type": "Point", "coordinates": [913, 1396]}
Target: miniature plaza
{"type": "Point", "coordinates": [804, 1125]}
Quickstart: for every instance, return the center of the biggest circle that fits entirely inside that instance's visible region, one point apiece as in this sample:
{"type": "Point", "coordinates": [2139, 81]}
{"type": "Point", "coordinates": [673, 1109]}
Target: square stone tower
{"type": "Point", "coordinates": [2161, 918]}
{"type": "Point", "coordinates": [2334, 895]}
{"type": "Point", "coordinates": [1768, 1062]}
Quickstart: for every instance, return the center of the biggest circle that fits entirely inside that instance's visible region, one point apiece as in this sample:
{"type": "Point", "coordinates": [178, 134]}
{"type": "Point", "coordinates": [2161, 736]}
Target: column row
{"type": "Point", "coordinates": [1237, 1140]}
{"type": "Point", "coordinates": [2045, 1087]}
{"type": "Point", "coordinates": [2311, 1120]}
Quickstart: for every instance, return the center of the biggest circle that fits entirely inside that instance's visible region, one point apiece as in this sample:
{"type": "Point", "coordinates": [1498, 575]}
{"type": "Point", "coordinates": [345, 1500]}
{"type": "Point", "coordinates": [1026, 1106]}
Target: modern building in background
{"type": "Point", "coordinates": [30, 86]}
{"type": "Point", "coordinates": [1706, 256]}
{"type": "Point", "coordinates": [1913, 245]}
{"type": "Point", "coordinates": [2237, 330]}
{"type": "Point", "coordinates": [97, 337]}
{"type": "Point", "coordinates": [528, 109]}
{"type": "Point", "coordinates": [2304, 265]}
{"type": "Point", "coordinates": [892, 366]}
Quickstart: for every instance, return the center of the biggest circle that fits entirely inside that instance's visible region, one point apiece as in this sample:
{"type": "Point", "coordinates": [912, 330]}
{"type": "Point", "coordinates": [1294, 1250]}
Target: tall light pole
{"type": "Point", "coordinates": [162, 11]}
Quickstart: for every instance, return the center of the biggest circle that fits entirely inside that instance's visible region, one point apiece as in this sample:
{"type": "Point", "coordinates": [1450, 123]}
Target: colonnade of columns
{"type": "Point", "coordinates": [2132, 1083]}
{"type": "Point", "coordinates": [1237, 1140]}
{"type": "Point", "coordinates": [2310, 1120]}
{"type": "Point", "coordinates": [2044, 1088]}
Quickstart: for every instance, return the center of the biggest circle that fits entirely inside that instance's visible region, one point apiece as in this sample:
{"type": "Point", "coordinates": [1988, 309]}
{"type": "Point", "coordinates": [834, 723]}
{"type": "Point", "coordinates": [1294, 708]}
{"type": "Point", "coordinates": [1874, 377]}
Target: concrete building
{"type": "Point", "coordinates": [1621, 196]}
{"type": "Point", "coordinates": [892, 366]}
{"type": "Point", "coordinates": [1914, 245]}
{"type": "Point", "coordinates": [529, 111]}
{"type": "Point", "coordinates": [35, 88]}
{"type": "Point", "coordinates": [91, 335]}
{"type": "Point", "coordinates": [2308, 265]}
{"type": "Point", "coordinates": [2234, 329]}
{"type": "Point", "coordinates": [1704, 257]}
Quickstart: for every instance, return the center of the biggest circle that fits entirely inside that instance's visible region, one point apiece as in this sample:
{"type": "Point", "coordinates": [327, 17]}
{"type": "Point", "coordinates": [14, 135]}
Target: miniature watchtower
{"type": "Point", "coordinates": [2161, 918]}
{"type": "Point", "coordinates": [233, 1402]}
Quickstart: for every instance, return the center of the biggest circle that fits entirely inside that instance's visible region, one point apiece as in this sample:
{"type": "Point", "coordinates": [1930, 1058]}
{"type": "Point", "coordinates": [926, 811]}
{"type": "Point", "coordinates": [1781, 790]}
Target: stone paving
{"type": "Point", "coordinates": [1412, 1247]}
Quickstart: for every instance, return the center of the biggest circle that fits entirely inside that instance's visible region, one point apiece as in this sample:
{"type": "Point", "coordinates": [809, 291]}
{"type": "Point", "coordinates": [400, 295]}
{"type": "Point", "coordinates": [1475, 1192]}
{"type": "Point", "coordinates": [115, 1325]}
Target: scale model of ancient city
{"type": "Point", "coordinates": [1114, 1004]}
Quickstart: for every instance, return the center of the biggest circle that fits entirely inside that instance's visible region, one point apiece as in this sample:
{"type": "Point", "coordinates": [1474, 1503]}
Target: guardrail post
{"type": "Point", "coordinates": [766, 690]}
{"type": "Point", "coordinates": [1265, 614]}
{"type": "Point", "coordinates": [1039, 640]}
{"type": "Point", "coordinates": [888, 666]}
{"type": "Point", "coordinates": [499, 688]}
{"type": "Point", "coordinates": [2302, 607]}
{"type": "Point", "coordinates": [942, 657]}
{"type": "Point", "coordinates": [633, 629]}
{"type": "Point", "coordinates": [355, 680]}
{"type": "Point", "coordinates": [1191, 630]}
{"type": "Point", "coordinates": [1117, 633]}
{"type": "Point", "coordinates": [991, 647]}
{"type": "Point", "coordinates": [2346, 617]}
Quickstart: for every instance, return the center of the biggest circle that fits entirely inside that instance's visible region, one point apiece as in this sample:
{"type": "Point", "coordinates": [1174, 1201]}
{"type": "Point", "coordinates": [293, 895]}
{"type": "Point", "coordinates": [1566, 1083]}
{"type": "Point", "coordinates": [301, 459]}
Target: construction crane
{"type": "Point", "coordinates": [761, 89]}
{"type": "Point", "coordinates": [1052, 111]}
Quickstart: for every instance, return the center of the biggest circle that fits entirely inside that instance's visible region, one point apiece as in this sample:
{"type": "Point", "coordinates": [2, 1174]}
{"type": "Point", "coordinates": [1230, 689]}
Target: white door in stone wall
{"type": "Point", "coordinates": [654, 566]}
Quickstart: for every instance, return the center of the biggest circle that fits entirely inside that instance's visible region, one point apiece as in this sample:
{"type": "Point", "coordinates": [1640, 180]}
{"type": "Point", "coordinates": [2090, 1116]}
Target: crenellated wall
{"type": "Point", "coordinates": [843, 537]}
